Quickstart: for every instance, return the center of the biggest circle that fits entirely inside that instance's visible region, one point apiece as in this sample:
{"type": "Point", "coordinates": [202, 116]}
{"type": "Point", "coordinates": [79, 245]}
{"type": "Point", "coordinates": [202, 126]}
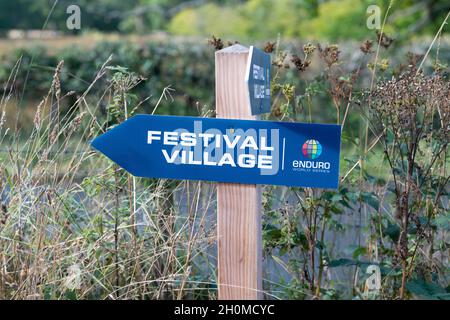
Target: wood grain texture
{"type": "Point", "coordinates": [239, 240]}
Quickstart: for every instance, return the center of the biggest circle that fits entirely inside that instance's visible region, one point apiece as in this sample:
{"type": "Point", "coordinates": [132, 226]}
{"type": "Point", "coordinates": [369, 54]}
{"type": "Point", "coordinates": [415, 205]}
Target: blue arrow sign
{"type": "Point", "coordinates": [258, 80]}
{"type": "Point", "coordinates": [226, 150]}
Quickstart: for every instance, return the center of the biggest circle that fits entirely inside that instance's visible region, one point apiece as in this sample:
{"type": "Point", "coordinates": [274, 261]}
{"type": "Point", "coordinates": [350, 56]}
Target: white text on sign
{"type": "Point", "coordinates": [236, 148]}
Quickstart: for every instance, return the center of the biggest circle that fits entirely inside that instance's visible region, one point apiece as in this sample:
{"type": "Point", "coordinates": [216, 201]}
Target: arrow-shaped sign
{"type": "Point", "coordinates": [226, 150]}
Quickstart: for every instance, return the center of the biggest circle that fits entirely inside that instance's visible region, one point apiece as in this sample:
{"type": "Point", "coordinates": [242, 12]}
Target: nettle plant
{"type": "Point", "coordinates": [298, 231]}
{"type": "Point", "coordinates": [410, 113]}
{"type": "Point", "coordinates": [409, 119]}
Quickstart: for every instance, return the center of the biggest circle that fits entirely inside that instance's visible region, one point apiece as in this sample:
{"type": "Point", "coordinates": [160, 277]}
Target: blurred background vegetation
{"type": "Point", "coordinates": [240, 19]}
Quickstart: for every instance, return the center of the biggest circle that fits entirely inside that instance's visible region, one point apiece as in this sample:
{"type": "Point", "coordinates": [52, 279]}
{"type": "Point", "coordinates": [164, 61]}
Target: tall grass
{"type": "Point", "coordinates": [73, 226]}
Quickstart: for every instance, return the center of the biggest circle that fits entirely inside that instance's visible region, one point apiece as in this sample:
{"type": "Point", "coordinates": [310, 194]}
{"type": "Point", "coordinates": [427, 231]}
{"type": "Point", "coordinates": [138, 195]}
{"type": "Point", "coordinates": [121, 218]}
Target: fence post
{"type": "Point", "coordinates": [239, 241]}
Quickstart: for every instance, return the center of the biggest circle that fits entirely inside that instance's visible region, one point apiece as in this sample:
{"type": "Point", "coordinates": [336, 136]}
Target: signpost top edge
{"type": "Point", "coordinates": [236, 48]}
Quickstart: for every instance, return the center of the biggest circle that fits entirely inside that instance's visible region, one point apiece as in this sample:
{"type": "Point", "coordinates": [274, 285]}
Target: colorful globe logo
{"type": "Point", "coordinates": [312, 149]}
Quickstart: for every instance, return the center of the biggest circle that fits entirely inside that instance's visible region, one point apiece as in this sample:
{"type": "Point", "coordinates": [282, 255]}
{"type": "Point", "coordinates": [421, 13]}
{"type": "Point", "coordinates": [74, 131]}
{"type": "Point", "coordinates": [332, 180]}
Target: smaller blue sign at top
{"type": "Point", "coordinates": [258, 80]}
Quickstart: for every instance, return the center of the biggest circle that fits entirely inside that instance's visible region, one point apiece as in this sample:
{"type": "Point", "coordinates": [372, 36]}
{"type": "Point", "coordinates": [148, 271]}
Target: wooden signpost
{"type": "Point", "coordinates": [239, 238]}
{"type": "Point", "coordinates": [236, 150]}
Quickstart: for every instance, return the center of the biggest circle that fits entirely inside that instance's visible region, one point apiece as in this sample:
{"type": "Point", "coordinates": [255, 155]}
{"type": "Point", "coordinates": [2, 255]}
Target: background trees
{"type": "Point", "coordinates": [255, 19]}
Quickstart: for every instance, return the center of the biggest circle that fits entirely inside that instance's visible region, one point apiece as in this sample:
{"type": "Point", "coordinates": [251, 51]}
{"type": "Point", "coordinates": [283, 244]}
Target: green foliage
{"type": "Point", "coordinates": [186, 66]}
{"type": "Point", "coordinates": [268, 18]}
{"type": "Point", "coordinates": [338, 20]}
{"type": "Point", "coordinates": [207, 20]}
{"type": "Point", "coordinates": [100, 15]}
{"type": "Point", "coordinates": [329, 20]}
{"type": "Point", "coordinates": [427, 290]}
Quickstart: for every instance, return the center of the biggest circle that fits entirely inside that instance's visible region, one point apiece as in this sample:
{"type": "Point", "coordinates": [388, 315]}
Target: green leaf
{"type": "Point", "coordinates": [427, 290]}
{"type": "Point", "coordinates": [353, 196]}
{"type": "Point", "coordinates": [271, 233]}
{"type": "Point", "coordinates": [370, 199]}
{"type": "Point", "coordinates": [335, 210]}
{"type": "Point", "coordinates": [359, 251]}
{"type": "Point", "coordinates": [342, 262]}
{"type": "Point", "coordinates": [337, 197]}
{"type": "Point", "coordinates": [393, 231]}
{"type": "Point", "coordinates": [443, 221]}
{"type": "Point", "coordinates": [70, 295]}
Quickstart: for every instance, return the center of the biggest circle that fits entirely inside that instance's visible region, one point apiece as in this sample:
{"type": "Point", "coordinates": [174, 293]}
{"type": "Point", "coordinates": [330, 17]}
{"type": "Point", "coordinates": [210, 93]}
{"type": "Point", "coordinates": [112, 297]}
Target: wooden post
{"type": "Point", "coordinates": [239, 240]}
